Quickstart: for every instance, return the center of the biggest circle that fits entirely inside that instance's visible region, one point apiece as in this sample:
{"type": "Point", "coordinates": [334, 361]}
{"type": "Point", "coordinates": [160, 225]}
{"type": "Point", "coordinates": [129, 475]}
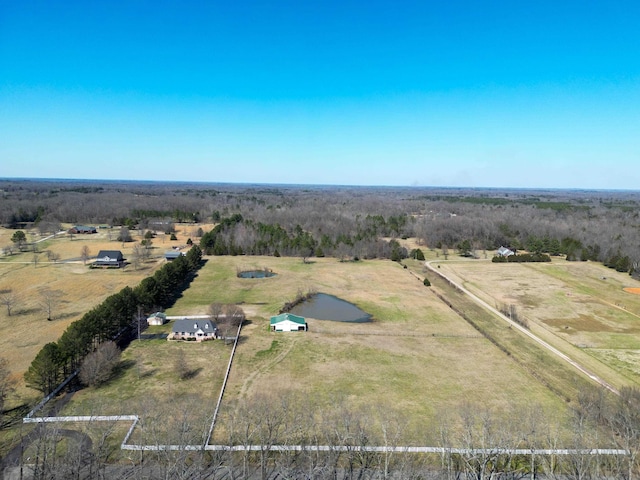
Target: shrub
{"type": "Point", "coordinates": [426, 282]}
{"type": "Point", "coordinates": [417, 254]}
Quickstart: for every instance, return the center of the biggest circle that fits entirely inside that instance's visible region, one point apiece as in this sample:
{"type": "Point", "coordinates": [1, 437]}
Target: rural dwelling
{"type": "Point", "coordinates": [505, 252]}
{"type": "Point", "coordinates": [287, 322]}
{"type": "Point", "coordinates": [82, 229]}
{"type": "Point", "coordinates": [172, 254]}
{"type": "Point", "coordinates": [193, 329]}
{"type": "Point", "coordinates": [157, 318]}
{"type": "Point", "coordinates": [109, 258]}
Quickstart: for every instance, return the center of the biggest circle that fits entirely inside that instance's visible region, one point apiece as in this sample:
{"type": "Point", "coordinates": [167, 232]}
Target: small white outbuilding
{"type": "Point", "coordinates": [287, 322]}
{"type": "Point", "coordinates": [157, 318]}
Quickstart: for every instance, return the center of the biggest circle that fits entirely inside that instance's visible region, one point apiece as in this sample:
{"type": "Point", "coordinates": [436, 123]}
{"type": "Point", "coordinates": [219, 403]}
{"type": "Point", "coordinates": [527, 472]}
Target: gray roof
{"type": "Point", "coordinates": [84, 228]}
{"type": "Point", "coordinates": [193, 325]}
{"type": "Point", "coordinates": [109, 255]}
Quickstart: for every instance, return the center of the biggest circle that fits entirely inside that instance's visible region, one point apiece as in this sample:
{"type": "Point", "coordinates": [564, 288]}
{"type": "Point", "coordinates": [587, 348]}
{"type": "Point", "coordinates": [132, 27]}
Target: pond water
{"type": "Point", "coordinates": [256, 274]}
{"type": "Point", "coordinates": [327, 307]}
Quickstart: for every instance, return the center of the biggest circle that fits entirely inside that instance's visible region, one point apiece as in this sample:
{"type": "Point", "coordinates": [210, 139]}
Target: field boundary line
{"type": "Point", "coordinates": [523, 330]}
{"type": "Point", "coordinates": [222, 389]}
{"type": "Point", "coordinates": [317, 448]}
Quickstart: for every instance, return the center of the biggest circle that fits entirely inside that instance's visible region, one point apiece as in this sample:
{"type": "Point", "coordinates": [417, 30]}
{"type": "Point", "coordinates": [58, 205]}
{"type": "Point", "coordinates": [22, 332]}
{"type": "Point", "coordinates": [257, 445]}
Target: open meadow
{"type": "Point", "coordinates": [76, 289]}
{"type": "Point", "coordinates": [414, 364]}
{"type": "Point", "coordinates": [581, 308]}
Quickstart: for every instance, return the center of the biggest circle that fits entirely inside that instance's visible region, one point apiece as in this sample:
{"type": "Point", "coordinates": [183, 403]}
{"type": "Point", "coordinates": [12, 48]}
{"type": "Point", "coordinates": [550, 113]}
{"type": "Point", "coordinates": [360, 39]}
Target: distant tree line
{"type": "Point", "coordinates": [236, 236]}
{"type": "Point", "coordinates": [348, 222]}
{"type": "Point", "coordinates": [115, 318]}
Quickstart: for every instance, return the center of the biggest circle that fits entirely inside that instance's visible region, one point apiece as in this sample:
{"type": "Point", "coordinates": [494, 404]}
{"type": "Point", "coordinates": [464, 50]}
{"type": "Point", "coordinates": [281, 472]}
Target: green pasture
{"type": "Point", "coordinates": [416, 358]}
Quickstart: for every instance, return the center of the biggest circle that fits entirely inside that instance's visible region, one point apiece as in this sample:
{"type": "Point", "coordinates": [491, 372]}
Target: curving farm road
{"type": "Point", "coordinates": [528, 333]}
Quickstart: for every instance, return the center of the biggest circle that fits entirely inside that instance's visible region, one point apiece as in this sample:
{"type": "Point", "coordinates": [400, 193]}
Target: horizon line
{"type": "Point", "coordinates": [316, 185]}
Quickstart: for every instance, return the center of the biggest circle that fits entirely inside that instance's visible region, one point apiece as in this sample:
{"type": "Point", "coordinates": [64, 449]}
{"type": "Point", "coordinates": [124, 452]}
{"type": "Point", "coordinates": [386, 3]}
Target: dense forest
{"type": "Point", "coordinates": [342, 221]}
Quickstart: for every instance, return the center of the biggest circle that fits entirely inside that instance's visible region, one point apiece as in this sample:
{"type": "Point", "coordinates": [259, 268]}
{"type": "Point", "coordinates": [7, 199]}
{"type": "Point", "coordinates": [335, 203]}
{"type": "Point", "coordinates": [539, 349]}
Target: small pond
{"type": "Point", "coordinates": [256, 274]}
{"type": "Point", "coordinates": [327, 307]}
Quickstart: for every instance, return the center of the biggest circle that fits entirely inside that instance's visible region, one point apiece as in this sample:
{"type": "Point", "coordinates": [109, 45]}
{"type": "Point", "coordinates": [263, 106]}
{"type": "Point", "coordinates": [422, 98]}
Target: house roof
{"type": "Point", "coordinates": [504, 251]}
{"type": "Point", "coordinates": [158, 314]}
{"type": "Point", "coordinates": [172, 254]}
{"type": "Point", "coordinates": [193, 325]}
{"type": "Point", "coordinates": [283, 317]}
{"type": "Point", "coordinates": [109, 255]}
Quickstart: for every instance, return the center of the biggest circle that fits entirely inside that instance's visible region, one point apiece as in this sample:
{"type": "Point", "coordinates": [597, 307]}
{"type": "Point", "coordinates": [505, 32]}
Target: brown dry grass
{"type": "Point", "coordinates": [27, 330]}
{"type": "Point", "coordinates": [580, 307]}
{"type": "Point", "coordinates": [414, 360]}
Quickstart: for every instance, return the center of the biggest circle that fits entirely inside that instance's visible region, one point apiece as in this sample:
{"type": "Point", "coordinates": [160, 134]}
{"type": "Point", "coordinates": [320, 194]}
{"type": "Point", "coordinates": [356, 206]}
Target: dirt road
{"type": "Point", "coordinates": [526, 332]}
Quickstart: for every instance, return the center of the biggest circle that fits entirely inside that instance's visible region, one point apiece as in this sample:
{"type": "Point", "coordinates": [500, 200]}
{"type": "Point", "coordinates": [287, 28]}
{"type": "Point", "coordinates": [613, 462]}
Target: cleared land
{"type": "Point", "coordinates": [416, 360]}
{"type": "Point", "coordinates": [81, 288]}
{"type": "Point", "coordinates": [580, 307]}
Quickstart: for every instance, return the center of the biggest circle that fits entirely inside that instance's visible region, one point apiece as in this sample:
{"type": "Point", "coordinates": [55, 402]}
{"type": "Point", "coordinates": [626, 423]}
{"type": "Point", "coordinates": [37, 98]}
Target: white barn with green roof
{"type": "Point", "coordinates": [288, 322]}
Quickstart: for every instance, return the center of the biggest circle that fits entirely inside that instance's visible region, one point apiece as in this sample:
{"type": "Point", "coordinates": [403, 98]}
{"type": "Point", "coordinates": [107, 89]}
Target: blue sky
{"type": "Point", "coordinates": [479, 94]}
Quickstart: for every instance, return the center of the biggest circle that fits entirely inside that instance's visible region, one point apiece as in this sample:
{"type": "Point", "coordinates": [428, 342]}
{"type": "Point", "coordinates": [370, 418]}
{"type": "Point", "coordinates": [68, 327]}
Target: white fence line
{"type": "Point", "coordinates": [318, 448]}
{"type": "Point", "coordinates": [224, 385]}
{"type": "Point", "coordinates": [44, 401]}
{"type": "Point", "coordinates": [82, 418]}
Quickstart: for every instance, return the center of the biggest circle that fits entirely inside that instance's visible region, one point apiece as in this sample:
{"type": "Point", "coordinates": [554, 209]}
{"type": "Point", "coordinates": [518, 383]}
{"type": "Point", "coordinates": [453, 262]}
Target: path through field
{"type": "Point", "coordinates": [246, 385]}
{"type": "Point", "coordinates": [519, 327]}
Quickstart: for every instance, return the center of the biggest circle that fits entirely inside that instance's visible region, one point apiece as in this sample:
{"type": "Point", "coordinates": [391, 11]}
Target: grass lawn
{"type": "Point", "coordinates": [416, 359]}
{"type": "Point", "coordinates": [148, 381]}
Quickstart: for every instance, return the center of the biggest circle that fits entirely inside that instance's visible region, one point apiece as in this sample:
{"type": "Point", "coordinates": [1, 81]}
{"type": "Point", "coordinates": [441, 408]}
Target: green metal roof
{"type": "Point", "coordinates": [287, 316]}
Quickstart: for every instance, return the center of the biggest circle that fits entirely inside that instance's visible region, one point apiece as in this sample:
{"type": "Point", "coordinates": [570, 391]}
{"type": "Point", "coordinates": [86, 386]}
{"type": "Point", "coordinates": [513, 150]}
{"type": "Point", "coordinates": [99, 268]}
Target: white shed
{"type": "Point", "coordinates": [157, 318]}
{"type": "Point", "coordinates": [287, 322]}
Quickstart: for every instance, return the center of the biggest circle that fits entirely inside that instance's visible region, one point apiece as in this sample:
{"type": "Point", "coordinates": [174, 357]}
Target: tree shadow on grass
{"type": "Point", "coordinates": [25, 311]}
{"type": "Point", "coordinates": [64, 316]}
{"type": "Point", "coordinates": [191, 373]}
{"type": "Point", "coordinates": [148, 373]}
{"type": "Point", "coordinates": [120, 369]}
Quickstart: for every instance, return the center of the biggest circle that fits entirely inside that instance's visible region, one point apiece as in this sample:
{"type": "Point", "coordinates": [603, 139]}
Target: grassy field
{"type": "Point", "coordinates": [417, 360]}
{"type": "Point", "coordinates": [81, 288]}
{"type": "Point", "coordinates": [414, 361]}
{"type": "Point", "coordinates": [579, 307]}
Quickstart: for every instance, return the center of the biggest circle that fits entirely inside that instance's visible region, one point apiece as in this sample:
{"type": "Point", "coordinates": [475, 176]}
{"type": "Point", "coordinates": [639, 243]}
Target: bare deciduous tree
{"type": "Point", "coordinates": [49, 300]}
{"type": "Point", "coordinates": [8, 299]}
{"type": "Point", "coordinates": [215, 311]}
{"type": "Point", "coordinates": [7, 385]}
{"type": "Point", "coordinates": [227, 318]}
{"type": "Point", "coordinates": [98, 366]}
{"type": "Point", "coordinates": [85, 254]}
{"type": "Point", "coordinates": [53, 256]}
{"type": "Point", "coordinates": [136, 256]}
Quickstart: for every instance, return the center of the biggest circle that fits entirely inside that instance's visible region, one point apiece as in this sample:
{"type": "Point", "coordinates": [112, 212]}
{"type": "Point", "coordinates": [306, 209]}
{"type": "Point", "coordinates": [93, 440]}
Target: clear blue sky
{"type": "Point", "coordinates": [476, 93]}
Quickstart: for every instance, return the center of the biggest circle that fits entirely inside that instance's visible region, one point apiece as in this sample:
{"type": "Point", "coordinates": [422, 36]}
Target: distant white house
{"type": "Point", "coordinates": [505, 252]}
{"type": "Point", "coordinates": [157, 318]}
{"type": "Point", "coordinates": [287, 322]}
